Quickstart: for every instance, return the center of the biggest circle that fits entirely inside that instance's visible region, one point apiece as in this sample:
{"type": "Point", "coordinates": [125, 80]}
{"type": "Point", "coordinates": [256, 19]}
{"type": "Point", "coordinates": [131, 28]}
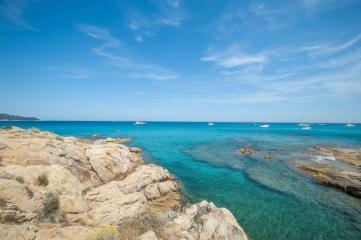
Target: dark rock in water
{"type": "Point", "coordinates": [347, 181]}
{"type": "Point", "coordinates": [135, 150]}
{"type": "Point", "coordinates": [269, 156]}
{"type": "Point", "coordinates": [247, 151]}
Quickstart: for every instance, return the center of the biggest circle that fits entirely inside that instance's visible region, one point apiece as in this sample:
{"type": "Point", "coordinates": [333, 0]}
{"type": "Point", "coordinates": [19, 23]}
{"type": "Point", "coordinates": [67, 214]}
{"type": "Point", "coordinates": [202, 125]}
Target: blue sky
{"type": "Point", "coordinates": [181, 60]}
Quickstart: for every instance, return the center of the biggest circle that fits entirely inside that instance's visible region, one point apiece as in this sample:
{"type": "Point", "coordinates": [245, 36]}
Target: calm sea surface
{"type": "Point", "coordinates": [271, 199]}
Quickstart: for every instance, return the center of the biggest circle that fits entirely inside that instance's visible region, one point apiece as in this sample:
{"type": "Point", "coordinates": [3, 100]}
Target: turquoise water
{"type": "Point", "coordinates": [270, 199]}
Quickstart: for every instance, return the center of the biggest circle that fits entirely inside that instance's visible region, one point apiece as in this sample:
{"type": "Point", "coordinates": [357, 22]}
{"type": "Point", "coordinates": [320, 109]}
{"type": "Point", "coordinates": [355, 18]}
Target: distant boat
{"type": "Point", "coordinates": [350, 125]}
{"type": "Point", "coordinates": [304, 124]}
{"type": "Point", "coordinates": [139, 123]}
{"type": "Point", "coordinates": [306, 128]}
{"type": "Point", "coordinates": [210, 124]}
{"type": "Point", "coordinates": [264, 126]}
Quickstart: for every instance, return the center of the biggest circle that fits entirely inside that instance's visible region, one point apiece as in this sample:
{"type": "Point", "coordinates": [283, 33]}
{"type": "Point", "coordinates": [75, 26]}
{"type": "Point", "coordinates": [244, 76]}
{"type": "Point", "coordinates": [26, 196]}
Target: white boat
{"type": "Point", "coordinates": [139, 123]}
{"type": "Point", "coordinates": [304, 124]}
{"type": "Point", "coordinates": [350, 125]}
{"type": "Point", "coordinates": [210, 124]}
{"type": "Point", "coordinates": [264, 126]}
{"type": "Point", "coordinates": [306, 128]}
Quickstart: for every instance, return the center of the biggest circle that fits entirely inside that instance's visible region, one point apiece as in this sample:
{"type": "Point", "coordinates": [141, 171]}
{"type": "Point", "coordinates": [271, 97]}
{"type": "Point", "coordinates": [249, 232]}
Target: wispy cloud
{"type": "Point", "coordinates": [286, 74]}
{"type": "Point", "coordinates": [319, 5]}
{"type": "Point", "coordinates": [119, 56]}
{"type": "Point", "coordinates": [233, 57]}
{"type": "Point", "coordinates": [12, 12]}
{"type": "Point", "coordinates": [330, 48]}
{"type": "Point", "coordinates": [166, 13]}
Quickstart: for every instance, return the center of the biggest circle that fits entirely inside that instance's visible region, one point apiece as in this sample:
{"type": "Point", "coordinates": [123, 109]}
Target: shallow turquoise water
{"type": "Point", "coordinates": [270, 199]}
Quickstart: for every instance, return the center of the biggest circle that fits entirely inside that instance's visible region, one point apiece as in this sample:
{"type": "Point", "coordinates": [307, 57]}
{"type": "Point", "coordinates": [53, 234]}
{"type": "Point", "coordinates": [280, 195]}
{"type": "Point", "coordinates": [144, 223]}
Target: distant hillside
{"type": "Point", "coordinates": [14, 118]}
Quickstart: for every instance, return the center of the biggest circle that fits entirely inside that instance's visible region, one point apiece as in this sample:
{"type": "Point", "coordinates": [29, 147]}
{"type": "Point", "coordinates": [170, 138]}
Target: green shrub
{"type": "Point", "coordinates": [19, 179]}
{"type": "Point", "coordinates": [105, 233]}
{"type": "Point", "coordinates": [50, 211]}
{"type": "Point", "coordinates": [42, 180]}
{"type": "Point", "coordinates": [7, 127]}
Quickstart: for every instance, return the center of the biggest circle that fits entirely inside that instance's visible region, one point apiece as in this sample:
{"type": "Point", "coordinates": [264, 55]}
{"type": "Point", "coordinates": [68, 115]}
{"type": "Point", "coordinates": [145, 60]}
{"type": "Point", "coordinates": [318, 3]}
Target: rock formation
{"type": "Point", "coordinates": [344, 173]}
{"type": "Point", "coordinates": [54, 187]}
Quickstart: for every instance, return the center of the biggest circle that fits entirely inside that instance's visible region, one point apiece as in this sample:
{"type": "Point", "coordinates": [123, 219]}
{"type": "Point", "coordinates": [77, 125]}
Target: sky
{"type": "Point", "coordinates": [181, 60]}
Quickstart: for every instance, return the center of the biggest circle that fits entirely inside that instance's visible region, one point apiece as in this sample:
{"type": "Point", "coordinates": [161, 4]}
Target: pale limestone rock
{"type": "Point", "coordinates": [150, 235]}
{"type": "Point", "coordinates": [44, 232]}
{"type": "Point", "coordinates": [18, 232]}
{"type": "Point", "coordinates": [64, 233]}
{"type": "Point", "coordinates": [151, 192]}
{"type": "Point", "coordinates": [204, 221]}
{"type": "Point", "coordinates": [92, 163]}
{"type": "Point", "coordinates": [146, 175]}
{"type": "Point", "coordinates": [60, 182]}
{"type": "Point", "coordinates": [18, 203]}
{"type": "Point", "coordinates": [110, 161]}
{"type": "Point", "coordinates": [108, 204]}
{"type": "Point", "coordinates": [167, 186]}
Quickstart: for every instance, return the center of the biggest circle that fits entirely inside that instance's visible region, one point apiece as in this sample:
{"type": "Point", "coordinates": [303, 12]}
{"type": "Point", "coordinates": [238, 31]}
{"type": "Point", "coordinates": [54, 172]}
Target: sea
{"type": "Point", "coordinates": [270, 198]}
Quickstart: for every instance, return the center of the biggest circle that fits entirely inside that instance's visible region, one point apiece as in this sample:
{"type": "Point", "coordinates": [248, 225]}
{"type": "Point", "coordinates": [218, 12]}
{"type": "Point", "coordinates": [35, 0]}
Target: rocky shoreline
{"type": "Point", "coordinates": [54, 187]}
{"type": "Point", "coordinates": [343, 172]}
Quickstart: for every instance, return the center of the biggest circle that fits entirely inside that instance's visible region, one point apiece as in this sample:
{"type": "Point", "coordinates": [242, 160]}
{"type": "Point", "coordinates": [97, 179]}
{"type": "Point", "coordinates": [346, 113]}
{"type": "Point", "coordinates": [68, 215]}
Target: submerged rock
{"type": "Point", "coordinates": [350, 156]}
{"type": "Point", "coordinates": [52, 187]}
{"type": "Point", "coordinates": [269, 156]}
{"type": "Point", "coordinates": [347, 181]}
{"type": "Point", "coordinates": [247, 151]}
{"type": "Point", "coordinates": [341, 170]}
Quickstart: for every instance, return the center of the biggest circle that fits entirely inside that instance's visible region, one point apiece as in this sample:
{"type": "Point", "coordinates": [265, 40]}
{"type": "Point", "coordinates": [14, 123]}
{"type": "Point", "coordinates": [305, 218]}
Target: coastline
{"type": "Point", "coordinates": [95, 184]}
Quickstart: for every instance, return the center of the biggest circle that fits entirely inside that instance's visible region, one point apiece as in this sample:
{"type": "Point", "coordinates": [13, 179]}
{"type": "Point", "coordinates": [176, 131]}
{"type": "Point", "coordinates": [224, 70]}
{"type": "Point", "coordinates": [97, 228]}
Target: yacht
{"type": "Point", "coordinates": [264, 126]}
{"type": "Point", "coordinates": [210, 124]}
{"type": "Point", "coordinates": [139, 123]}
{"type": "Point", "coordinates": [350, 125]}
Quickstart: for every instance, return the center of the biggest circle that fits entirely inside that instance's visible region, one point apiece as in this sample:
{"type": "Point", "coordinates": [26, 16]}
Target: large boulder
{"type": "Point", "coordinates": [93, 163]}
{"type": "Point", "coordinates": [204, 221]}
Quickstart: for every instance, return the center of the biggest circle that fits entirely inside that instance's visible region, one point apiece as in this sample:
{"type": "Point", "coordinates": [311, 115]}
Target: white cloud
{"type": "Point", "coordinates": [289, 73]}
{"type": "Point", "coordinates": [168, 13]}
{"type": "Point", "coordinates": [116, 53]}
{"type": "Point", "coordinates": [232, 57]}
{"type": "Point", "coordinates": [321, 49]}
{"type": "Point", "coordinates": [317, 5]}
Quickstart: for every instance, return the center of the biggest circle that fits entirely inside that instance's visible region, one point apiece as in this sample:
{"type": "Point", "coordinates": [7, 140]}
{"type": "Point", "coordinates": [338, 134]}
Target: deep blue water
{"type": "Point", "coordinates": [271, 199]}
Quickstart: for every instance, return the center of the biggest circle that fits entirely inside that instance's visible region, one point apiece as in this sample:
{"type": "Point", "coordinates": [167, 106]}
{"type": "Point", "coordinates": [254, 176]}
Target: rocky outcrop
{"type": "Point", "coordinates": [347, 181]}
{"type": "Point", "coordinates": [343, 172]}
{"type": "Point", "coordinates": [350, 156]}
{"type": "Point", "coordinates": [54, 187]}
